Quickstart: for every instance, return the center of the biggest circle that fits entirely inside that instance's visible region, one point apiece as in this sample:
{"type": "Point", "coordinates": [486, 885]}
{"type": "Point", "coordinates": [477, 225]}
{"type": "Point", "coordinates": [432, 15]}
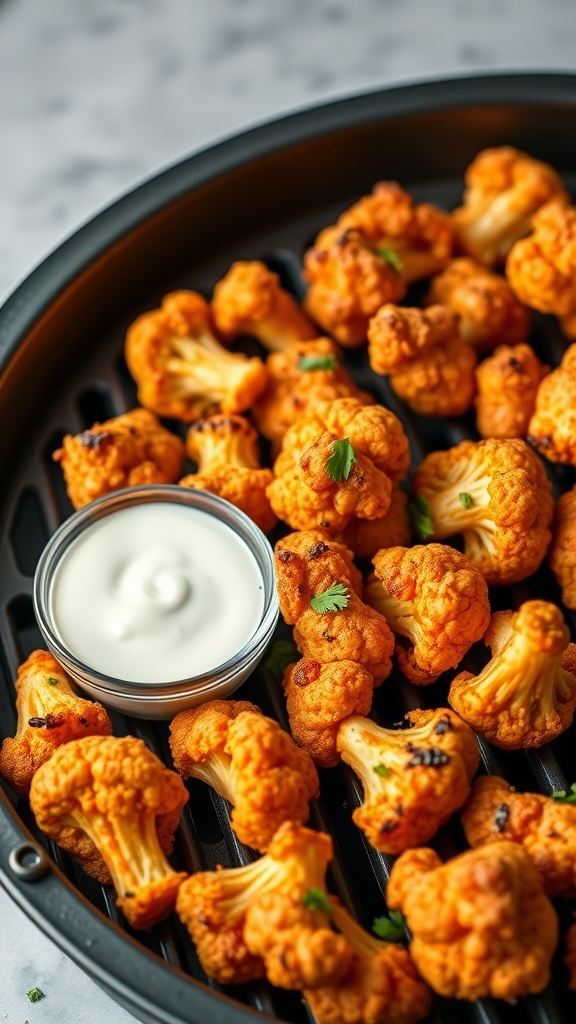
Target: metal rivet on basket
{"type": "Point", "coordinates": [29, 861]}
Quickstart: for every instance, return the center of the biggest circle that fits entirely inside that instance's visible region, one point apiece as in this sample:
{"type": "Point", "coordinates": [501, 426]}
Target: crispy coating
{"type": "Point", "coordinates": [441, 382]}
{"type": "Point", "coordinates": [504, 188]}
{"type": "Point", "coordinates": [250, 761]}
{"type": "Point", "coordinates": [381, 987]}
{"type": "Point", "coordinates": [413, 779]}
{"type": "Point", "coordinates": [542, 268]}
{"type": "Point", "coordinates": [562, 555]}
{"type": "Point", "coordinates": [545, 828]}
{"type": "Point", "coordinates": [526, 694]}
{"type": "Point", "coordinates": [481, 924]}
{"type": "Point", "coordinates": [354, 633]}
{"type": "Point", "coordinates": [226, 450]}
{"type": "Point", "coordinates": [112, 798]}
{"type": "Point", "coordinates": [570, 956]}
{"type": "Point", "coordinates": [180, 368]}
{"type": "Point", "coordinates": [318, 698]}
{"type": "Point", "coordinates": [348, 281]}
{"type": "Point", "coordinates": [552, 428]}
{"type": "Point", "coordinates": [125, 451]}
{"type": "Point", "coordinates": [489, 311]}
{"type": "Point", "coordinates": [213, 904]}
{"type": "Point", "coordinates": [250, 300]}
{"type": "Point", "coordinates": [49, 714]}
{"type": "Point", "coordinates": [292, 391]}
{"type": "Point", "coordinates": [367, 536]}
{"type": "Point", "coordinates": [419, 236]}
{"type": "Point", "coordinates": [507, 385]}
{"type": "Point", "coordinates": [496, 494]}
{"type": "Point", "coordinates": [397, 335]}
{"type": "Point", "coordinates": [437, 599]}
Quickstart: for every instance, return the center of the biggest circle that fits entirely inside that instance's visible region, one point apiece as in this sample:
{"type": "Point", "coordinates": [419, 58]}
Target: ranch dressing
{"type": "Point", "coordinates": [156, 593]}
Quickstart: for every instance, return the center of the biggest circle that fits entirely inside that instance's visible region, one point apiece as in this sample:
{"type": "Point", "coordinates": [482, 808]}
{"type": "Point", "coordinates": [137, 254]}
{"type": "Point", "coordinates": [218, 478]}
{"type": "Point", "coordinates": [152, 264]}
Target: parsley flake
{"type": "Point", "coordinates": [332, 600]}
{"type": "Point", "coordinates": [391, 928]}
{"type": "Point", "coordinates": [306, 363]}
{"type": "Point", "coordinates": [35, 994]}
{"type": "Point", "coordinates": [282, 653]}
{"type": "Point", "coordinates": [52, 681]}
{"type": "Point", "coordinates": [466, 500]}
{"type": "Point", "coordinates": [391, 258]}
{"type": "Point", "coordinates": [563, 797]}
{"type": "Point", "coordinates": [316, 899]}
{"type": "Point", "coordinates": [382, 770]}
{"type": "Point", "coordinates": [420, 516]}
{"type": "Point", "coordinates": [339, 464]}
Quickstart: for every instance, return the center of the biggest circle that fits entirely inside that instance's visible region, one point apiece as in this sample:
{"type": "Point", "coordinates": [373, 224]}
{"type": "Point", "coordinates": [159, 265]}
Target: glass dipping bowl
{"type": "Point", "coordinates": [160, 700]}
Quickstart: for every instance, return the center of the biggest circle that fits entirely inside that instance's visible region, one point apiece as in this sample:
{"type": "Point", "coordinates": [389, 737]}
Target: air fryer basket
{"type": "Point", "coordinates": [261, 195]}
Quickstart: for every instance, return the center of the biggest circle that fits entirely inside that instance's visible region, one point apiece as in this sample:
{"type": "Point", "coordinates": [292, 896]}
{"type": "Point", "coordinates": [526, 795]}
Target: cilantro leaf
{"type": "Point", "coordinates": [281, 654]}
{"type": "Point", "coordinates": [328, 362]}
{"type": "Point", "coordinates": [466, 500]}
{"type": "Point", "coordinates": [316, 899]}
{"type": "Point", "coordinates": [35, 994]}
{"type": "Point", "coordinates": [339, 464]}
{"type": "Point", "coordinates": [332, 600]}
{"type": "Point", "coordinates": [52, 681]}
{"type": "Point", "coordinates": [563, 797]}
{"type": "Point", "coordinates": [391, 928]}
{"type": "Point", "coordinates": [420, 516]}
{"type": "Point", "coordinates": [381, 770]}
{"type": "Point", "coordinates": [391, 258]}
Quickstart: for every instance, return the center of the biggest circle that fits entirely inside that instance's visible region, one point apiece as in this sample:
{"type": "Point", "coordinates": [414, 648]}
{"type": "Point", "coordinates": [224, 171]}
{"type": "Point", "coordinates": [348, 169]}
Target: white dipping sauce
{"type": "Point", "coordinates": [156, 593]}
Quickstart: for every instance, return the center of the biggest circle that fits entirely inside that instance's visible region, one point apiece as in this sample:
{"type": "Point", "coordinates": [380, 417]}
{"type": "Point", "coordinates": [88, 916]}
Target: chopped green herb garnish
{"type": "Point", "coordinates": [391, 258]}
{"type": "Point", "coordinates": [328, 362]}
{"type": "Point", "coordinates": [381, 770]}
{"type": "Point", "coordinates": [316, 899]}
{"type": "Point", "coordinates": [563, 797]}
{"type": "Point", "coordinates": [466, 500]}
{"type": "Point", "coordinates": [332, 600]}
{"type": "Point", "coordinates": [339, 464]}
{"type": "Point", "coordinates": [420, 516]}
{"type": "Point", "coordinates": [35, 994]}
{"type": "Point", "coordinates": [391, 928]}
{"type": "Point", "coordinates": [282, 653]}
{"type": "Point", "coordinates": [52, 681]}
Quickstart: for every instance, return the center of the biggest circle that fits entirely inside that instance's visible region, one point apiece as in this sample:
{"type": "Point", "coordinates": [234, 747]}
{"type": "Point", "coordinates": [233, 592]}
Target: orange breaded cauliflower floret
{"type": "Point", "coordinates": [504, 188]}
{"type": "Point", "coordinates": [367, 536]}
{"type": "Point", "coordinates": [111, 799]}
{"type": "Point", "coordinates": [381, 987]}
{"type": "Point", "coordinates": [397, 335]}
{"type": "Point", "coordinates": [490, 314]}
{"type": "Point", "coordinates": [552, 428]}
{"type": "Point", "coordinates": [179, 367]}
{"type": "Point", "coordinates": [299, 378]}
{"type": "Point", "coordinates": [562, 554]}
{"type": "Point", "coordinates": [496, 494]}
{"type": "Point", "coordinates": [49, 714]}
{"type": "Point", "coordinates": [319, 697]}
{"type": "Point", "coordinates": [545, 828]}
{"type": "Point", "coordinates": [308, 571]}
{"type": "Point", "coordinates": [507, 385]}
{"type": "Point", "coordinates": [348, 282]}
{"type": "Point", "coordinates": [541, 269]}
{"type": "Point", "coordinates": [526, 694]}
{"type": "Point", "coordinates": [250, 761]}
{"type": "Point", "coordinates": [250, 300]}
{"type": "Point", "coordinates": [413, 779]}
{"type": "Point", "coordinates": [437, 599]}
{"type": "Point", "coordinates": [481, 924]}
{"type": "Point", "coordinates": [226, 451]}
{"type": "Point", "coordinates": [213, 905]}
{"type": "Point", "coordinates": [125, 451]}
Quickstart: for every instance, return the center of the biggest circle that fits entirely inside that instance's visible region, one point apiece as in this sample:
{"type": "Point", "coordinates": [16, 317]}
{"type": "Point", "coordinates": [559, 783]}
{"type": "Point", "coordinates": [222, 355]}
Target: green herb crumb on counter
{"type": "Point", "coordinates": [35, 994]}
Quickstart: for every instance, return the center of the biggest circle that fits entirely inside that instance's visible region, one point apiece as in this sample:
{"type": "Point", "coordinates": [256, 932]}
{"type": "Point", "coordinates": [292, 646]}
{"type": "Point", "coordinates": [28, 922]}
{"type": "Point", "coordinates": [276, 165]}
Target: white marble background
{"type": "Point", "coordinates": [96, 95]}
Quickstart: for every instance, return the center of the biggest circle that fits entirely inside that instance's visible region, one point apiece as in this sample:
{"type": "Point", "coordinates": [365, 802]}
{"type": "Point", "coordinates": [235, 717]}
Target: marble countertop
{"type": "Point", "coordinates": [96, 97]}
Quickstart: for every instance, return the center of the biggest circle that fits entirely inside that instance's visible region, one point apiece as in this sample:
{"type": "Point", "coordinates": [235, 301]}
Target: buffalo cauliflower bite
{"type": "Point", "coordinates": [318, 698]}
{"type": "Point", "coordinates": [489, 312]}
{"type": "Point", "coordinates": [504, 188]}
{"type": "Point", "coordinates": [49, 714]}
{"type": "Point", "coordinates": [381, 987]}
{"type": "Point", "coordinates": [413, 779]}
{"type": "Point", "coordinates": [250, 300]}
{"type": "Point", "coordinates": [526, 694]}
{"type": "Point", "coordinates": [180, 368]}
{"type": "Point", "coordinates": [250, 761]}
{"type": "Point", "coordinates": [496, 494]}
{"type": "Point", "coordinates": [481, 924]}
{"type": "Point", "coordinates": [562, 555]}
{"type": "Point", "coordinates": [545, 828]}
{"type": "Point", "coordinates": [541, 269]}
{"type": "Point", "coordinates": [214, 904]}
{"type": "Point", "coordinates": [226, 451]}
{"type": "Point", "coordinates": [397, 335]}
{"type": "Point", "coordinates": [507, 385]}
{"type": "Point", "coordinates": [298, 379]}
{"type": "Point", "coordinates": [113, 804]}
{"type": "Point", "coordinates": [552, 428]}
{"type": "Point", "coordinates": [348, 282]}
{"type": "Point", "coordinates": [308, 571]}
{"type": "Point", "coordinates": [437, 599]}
{"type": "Point", "coordinates": [125, 451]}
{"type": "Point", "coordinates": [367, 536]}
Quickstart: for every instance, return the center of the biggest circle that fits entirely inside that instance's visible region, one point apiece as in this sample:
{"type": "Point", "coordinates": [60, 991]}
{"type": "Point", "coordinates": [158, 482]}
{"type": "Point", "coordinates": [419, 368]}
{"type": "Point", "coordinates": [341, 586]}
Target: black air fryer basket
{"type": "Point", "coordinates": [262, 195]}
